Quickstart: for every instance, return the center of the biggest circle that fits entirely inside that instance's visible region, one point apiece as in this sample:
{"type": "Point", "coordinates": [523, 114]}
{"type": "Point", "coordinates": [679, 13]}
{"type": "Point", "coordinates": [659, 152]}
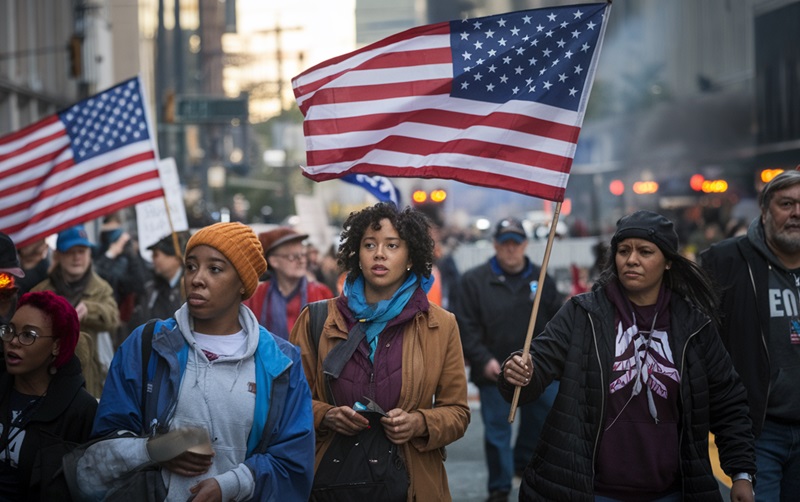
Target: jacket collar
{"type": "Point", "coordinates": [66, 383]}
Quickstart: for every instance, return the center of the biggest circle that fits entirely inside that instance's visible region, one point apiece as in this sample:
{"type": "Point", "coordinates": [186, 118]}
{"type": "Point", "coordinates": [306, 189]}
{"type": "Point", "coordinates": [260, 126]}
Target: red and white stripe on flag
{"type": "Point", "coordinates": [94, 158]}
{"type": "Point", "coordinates": [496, 101]}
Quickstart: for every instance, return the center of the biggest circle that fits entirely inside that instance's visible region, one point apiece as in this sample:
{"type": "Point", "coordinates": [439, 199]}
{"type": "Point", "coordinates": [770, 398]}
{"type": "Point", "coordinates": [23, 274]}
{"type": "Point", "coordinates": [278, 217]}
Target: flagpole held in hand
{"type": "Point", "coordinates": [536, 301]}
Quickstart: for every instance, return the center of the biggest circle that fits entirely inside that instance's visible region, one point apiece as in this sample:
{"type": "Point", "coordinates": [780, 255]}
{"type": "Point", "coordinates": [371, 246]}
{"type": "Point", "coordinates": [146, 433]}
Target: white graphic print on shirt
{"type": "Point", "coordinates": [783, 303]}
{"type": "Point", "coordinates": [642, 363]}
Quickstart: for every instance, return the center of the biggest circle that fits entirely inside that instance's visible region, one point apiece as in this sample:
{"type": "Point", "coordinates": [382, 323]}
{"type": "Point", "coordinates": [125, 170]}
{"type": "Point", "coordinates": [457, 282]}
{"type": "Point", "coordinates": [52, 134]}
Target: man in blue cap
{"type": "Point", "coordinates": [93, 298]}
{"type": "Point", "coordinates": [493, 311]}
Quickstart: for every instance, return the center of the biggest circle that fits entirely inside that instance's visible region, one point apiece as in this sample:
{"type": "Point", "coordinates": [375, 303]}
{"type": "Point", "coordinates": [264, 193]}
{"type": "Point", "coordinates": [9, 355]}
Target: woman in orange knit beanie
{"type": "Point", "coordinates": [230, 397]}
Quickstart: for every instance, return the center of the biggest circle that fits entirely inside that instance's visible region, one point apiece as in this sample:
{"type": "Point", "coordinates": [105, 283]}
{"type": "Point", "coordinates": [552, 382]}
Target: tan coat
{"type": "Point", "coordinates": [434, 384]}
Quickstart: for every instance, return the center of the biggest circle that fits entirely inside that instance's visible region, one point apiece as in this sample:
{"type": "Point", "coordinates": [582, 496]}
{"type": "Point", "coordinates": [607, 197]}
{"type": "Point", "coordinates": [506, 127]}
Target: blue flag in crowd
{"type": "Point", "coordinates": [382, 188]}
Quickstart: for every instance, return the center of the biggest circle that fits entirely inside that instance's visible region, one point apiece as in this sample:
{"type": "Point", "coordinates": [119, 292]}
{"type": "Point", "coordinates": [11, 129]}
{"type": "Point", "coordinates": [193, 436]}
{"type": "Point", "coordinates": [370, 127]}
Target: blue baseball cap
{"type": "Point", "coordinates": [510, 229]}
{"type": "Point", "coordinates": [71, 237]}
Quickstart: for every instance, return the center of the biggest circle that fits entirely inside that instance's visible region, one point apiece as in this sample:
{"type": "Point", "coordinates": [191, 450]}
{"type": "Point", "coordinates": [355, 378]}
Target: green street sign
{"type": "Point", "coordinates": [205, 109]}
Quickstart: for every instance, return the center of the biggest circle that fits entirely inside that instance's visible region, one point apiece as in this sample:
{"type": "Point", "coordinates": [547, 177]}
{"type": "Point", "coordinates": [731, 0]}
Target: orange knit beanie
{"type": "Point", "coordinates": [240, 245]}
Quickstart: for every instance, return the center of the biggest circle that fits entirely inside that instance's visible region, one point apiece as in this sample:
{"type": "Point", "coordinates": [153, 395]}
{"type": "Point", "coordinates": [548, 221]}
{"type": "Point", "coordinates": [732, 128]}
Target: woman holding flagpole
{"type": "Point", "coordinates": [643, 379]}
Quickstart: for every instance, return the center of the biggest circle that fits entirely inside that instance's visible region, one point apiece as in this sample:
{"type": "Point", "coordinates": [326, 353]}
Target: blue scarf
{"type": "Point", "coordinates": [375, 317]}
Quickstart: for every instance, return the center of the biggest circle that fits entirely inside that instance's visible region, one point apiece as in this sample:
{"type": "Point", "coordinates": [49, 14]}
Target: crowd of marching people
{"type": "Point", "coordinates": [231, 368]}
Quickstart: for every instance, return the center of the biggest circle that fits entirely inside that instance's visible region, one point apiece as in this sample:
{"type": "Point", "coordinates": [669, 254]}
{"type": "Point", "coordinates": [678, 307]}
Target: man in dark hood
{"type": "Point", "coordinates": [759, 282]}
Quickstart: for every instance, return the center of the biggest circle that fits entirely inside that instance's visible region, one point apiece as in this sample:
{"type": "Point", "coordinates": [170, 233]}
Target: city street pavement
{"type": "Point", "coordinates": [466, 467]}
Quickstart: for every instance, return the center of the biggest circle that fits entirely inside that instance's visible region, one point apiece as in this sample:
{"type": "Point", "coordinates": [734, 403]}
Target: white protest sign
{"type": "Point", "coordinates": [313, 220]}
{"type": "Point", "coordinates": [152, 221]}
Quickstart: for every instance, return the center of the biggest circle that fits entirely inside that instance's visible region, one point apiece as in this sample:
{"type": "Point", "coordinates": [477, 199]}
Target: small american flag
{"type": "Point", "coordinates": [495, 101]}
{"type": "Point", "coordinates": [87, 161]}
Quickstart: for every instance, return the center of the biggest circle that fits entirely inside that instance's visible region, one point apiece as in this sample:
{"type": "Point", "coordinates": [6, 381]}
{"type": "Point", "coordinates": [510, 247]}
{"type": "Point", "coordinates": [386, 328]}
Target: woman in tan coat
{"type": "Point", "coordinates": [407, 355]}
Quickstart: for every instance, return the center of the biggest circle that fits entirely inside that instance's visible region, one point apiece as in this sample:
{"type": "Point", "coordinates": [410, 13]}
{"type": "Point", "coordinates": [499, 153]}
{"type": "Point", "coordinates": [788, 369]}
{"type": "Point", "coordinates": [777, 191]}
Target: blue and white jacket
{"type": "Point", "coordinates": [279, 446]}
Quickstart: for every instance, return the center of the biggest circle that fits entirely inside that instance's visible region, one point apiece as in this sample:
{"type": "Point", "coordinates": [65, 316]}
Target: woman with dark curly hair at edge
{"type": "Point", "coordinates": [44, 405]}
{"type": "Point", "coordinates": [409, 361]}
{"type": "Point", "coordinates": [643, 379]}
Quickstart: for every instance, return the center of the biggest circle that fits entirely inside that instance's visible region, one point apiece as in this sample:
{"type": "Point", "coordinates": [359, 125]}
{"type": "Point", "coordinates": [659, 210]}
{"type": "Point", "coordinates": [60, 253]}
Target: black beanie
{"type": "Point", "coordinates": [649, 226]}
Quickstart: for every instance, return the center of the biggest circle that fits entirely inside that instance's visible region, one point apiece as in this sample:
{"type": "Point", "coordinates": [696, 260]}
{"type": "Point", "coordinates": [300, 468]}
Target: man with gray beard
{"type": "Point", "coordinates": [759, 278]}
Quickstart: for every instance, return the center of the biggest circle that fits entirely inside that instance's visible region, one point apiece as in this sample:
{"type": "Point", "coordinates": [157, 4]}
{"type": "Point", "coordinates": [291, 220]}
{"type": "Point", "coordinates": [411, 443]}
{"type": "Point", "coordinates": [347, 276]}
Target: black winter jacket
{"type": "Point", "coordinates": [742, 274]}
{"type": "Point", "coordinates": [578, 347]}
{"type": "Point", "coordinates": [493, 317]}
{"type": "Point", "coordinates": [62, 421]}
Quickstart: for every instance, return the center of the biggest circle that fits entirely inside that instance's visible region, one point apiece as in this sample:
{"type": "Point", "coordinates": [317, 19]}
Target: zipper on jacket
{"type": "Point", "coordinates": [763, 343]}
{"type": "Point", "coordinates": [680, 392]}
{"type": "Point", "coordinates": [372, 382]}
{"type": "Point", "coordinates": [602, 402]}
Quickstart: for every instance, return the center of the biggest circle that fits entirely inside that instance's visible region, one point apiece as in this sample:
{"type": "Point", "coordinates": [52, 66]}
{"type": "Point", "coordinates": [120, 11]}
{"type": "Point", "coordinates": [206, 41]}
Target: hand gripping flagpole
{"type": "Point", "coordinates": [536, 302]}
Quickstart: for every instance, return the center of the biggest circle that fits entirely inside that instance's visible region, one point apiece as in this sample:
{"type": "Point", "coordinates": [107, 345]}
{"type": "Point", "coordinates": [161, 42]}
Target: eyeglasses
{"type": "Point", "coordinates": [27, 337]}
{"type": "Point", "coordinates": [292, 257]}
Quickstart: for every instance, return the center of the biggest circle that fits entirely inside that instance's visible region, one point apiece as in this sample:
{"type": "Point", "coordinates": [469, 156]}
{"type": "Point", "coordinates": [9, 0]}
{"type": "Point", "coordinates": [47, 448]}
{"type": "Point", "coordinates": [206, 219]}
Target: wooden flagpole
{"type": "Point", "coordinates": [175, 242]}
{"type": "Point", "coordinates": [536, 302]}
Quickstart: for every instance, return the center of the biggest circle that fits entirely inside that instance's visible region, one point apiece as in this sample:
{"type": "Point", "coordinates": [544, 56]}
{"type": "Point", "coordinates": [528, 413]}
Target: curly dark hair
{"type": "Point", "coordinates": [412, 225]}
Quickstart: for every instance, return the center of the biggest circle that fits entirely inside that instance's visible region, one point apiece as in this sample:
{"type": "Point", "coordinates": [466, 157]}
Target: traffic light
{"type": "Point", "coordinates": [645, 187]}
{"type": "Point", "coordinates": [696, 182]}
{"type": "Point", "coordinates": [616, 187]}
{"type": "Point", "coordinates": [438, 196]}
{"type": "Point", "coordinates": [430, 203]}
{"type": "Point", "coordinates": [75, 56]}
{"type": "Point", "coordinates": [420, 197]}
{"type": "Point", "coordinates": [715, 186]}
{"type": "Point", "coordinates": [768, 174]}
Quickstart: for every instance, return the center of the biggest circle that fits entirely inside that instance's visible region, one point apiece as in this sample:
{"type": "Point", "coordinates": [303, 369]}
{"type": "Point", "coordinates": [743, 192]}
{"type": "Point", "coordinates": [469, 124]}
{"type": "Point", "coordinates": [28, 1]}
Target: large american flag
{"type": "Point", "coordinates": [93, 158]}
{"type": "Point", "coordinates": [495, 101]}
